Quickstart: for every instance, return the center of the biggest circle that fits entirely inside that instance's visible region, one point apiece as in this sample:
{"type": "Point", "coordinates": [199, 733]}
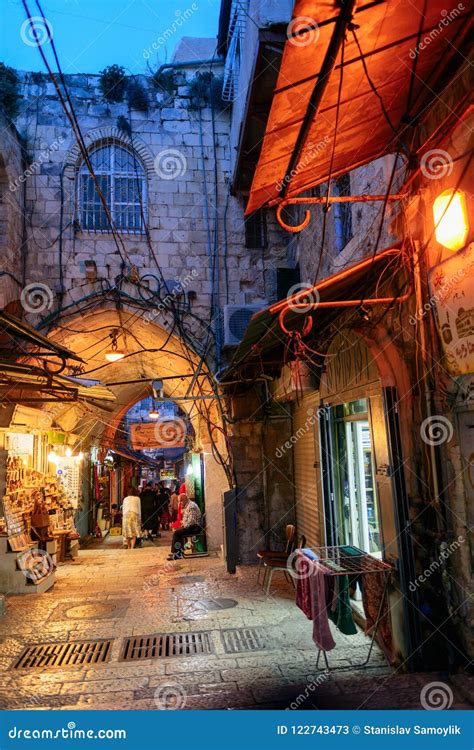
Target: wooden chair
{"type": "Point", "coordinates": [266, 554]}
{"type": "Point", "coordinates": [271, 566]}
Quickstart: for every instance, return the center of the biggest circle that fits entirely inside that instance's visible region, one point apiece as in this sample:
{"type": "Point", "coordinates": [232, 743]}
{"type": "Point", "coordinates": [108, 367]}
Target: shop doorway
{"type": "Point", "coordinates": [356, 513]}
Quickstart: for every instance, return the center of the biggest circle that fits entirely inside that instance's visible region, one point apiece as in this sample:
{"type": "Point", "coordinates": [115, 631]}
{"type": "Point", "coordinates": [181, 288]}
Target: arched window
{"type": "Point", "coordinates": [122, 180]}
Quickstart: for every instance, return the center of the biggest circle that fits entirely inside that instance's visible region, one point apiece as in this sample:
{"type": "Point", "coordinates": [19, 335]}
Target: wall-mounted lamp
{"type": "Point", "coordinates": [450, 219]}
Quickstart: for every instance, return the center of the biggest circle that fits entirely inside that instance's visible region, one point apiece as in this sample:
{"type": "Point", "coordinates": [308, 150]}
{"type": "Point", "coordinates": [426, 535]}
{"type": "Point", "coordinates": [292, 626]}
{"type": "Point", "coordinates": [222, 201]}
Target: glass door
{"type": "Point", "coordinates": [352, 465]}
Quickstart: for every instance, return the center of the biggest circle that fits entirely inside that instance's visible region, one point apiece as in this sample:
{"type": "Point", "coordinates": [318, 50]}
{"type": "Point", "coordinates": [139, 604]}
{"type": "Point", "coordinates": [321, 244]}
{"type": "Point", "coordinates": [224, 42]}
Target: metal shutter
{"type": "Point", "coordinates": [309, 519]}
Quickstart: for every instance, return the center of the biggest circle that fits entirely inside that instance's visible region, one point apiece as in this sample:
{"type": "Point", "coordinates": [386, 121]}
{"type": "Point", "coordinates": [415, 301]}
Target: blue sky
{"type": "Point", "coordinates": [91, 34]}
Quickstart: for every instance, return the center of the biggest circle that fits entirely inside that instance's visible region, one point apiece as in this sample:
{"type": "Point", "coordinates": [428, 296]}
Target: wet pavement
{"type": "Point", "coordinates": [261, 654]}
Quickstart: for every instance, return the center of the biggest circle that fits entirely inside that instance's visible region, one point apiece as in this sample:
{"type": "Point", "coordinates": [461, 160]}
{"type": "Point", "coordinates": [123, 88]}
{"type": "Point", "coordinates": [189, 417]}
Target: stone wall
{"type": "Point", "coordinates": [371, 179]}
{"type": "Point", "coordinates": [175, 134]}
{"type": "Point", "coordinates": [11, 211]}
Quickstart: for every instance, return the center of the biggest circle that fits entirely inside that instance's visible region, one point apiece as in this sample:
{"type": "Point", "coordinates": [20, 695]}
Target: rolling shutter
{"type": "Point", "coordinates": [307, 471]}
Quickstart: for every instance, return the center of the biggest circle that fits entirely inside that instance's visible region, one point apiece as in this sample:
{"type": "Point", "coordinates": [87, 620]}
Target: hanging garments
{"type": "Point", "coordinates": [321, 631]}
{"type": "Point", "coordinates": [340, 610]}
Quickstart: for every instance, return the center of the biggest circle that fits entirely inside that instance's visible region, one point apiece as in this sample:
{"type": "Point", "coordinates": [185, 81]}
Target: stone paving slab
{"type": "Point", "coordinates": [149, 596]}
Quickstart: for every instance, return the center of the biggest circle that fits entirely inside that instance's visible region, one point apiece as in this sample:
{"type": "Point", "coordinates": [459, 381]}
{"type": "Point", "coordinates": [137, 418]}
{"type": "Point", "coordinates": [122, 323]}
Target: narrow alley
{"type": "Point", "coordinates": [115, 594]}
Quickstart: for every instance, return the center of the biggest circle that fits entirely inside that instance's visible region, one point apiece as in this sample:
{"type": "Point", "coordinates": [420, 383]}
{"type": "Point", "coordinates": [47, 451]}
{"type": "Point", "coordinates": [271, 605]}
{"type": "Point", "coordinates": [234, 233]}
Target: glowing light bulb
{"type": "Point", "coordinates": [450, 219]}
{"type": "Point", "coordinates": [68, 452]}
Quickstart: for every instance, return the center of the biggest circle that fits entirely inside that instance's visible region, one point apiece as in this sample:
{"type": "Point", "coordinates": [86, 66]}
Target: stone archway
{"type": "Point", "coordinates": [151, 353]}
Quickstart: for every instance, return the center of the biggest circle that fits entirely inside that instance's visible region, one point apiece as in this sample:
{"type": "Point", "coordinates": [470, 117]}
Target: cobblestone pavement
{"type": "Point", "coordinates": [114, 593]}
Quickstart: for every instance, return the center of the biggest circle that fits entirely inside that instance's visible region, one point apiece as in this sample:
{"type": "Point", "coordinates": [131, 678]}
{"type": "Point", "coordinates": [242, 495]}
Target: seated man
{"type": "Point", "coordinates": [191, 525]}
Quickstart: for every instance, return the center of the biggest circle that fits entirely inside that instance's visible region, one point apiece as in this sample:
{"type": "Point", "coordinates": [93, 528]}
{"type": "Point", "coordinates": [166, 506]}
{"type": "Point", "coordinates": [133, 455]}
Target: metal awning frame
{"type": "Point", "coordinates": [319, 200]}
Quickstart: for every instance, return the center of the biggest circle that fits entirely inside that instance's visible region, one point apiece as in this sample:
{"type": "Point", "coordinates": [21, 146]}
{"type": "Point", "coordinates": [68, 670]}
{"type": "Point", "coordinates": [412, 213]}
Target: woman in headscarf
{"type": "Point", "coordinates": [131, 518]}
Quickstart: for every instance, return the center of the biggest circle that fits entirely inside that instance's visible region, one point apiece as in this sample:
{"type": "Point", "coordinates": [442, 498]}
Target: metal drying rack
{"type": "Point", "coordinates": [338, 562]}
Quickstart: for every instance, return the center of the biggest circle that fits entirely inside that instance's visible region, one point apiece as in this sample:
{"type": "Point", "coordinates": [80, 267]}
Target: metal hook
{"type": "Point", "coordinates": [287, 227]}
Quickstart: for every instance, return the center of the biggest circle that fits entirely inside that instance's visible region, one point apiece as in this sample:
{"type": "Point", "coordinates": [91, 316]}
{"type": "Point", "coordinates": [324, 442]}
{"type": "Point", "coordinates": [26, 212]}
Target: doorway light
{"type": "Point", "coordinates": [450, 219]}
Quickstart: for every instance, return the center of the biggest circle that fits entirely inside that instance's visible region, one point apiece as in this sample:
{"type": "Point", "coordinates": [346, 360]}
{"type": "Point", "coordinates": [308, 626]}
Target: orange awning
{"type": "Point", "coordinates": [404, 56]}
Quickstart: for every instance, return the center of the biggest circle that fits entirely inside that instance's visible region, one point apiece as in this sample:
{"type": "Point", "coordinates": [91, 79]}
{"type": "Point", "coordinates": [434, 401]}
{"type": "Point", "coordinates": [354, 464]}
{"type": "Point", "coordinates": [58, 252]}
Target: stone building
{"type": "Point", "coordinates": [352, 369]}
{"type": "Point", "coordinates": [180, 262]}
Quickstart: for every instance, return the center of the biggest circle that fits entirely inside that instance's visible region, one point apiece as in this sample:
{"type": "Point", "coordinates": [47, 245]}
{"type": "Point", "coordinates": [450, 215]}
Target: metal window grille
{"type": "Point", "coordinates": [122, 180]}
{"type": "Point", "coordinates": [342, 212]}
{"type": "Point", "coordinates": [256, 230]}
{"type": "Point", "coordinates": [238, 17]}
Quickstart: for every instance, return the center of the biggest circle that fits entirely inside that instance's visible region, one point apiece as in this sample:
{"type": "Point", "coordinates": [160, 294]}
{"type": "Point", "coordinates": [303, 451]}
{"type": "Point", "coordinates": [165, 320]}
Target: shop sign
{"type": "Point", "coordinates": [170, 433]}
{"type": "Point", "coordinates": [452, 296]}
{"type": "Point", "coordinates": [167, 474]}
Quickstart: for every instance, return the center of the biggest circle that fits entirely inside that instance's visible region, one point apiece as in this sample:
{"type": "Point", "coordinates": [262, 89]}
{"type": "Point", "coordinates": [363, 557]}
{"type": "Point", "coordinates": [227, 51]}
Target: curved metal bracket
{"type": "Point", "coordinates": [327, 201]}
{"type": "Point", "coordinates": [288, 227]}
{"type": "Point", "coordinates": [308, 324]}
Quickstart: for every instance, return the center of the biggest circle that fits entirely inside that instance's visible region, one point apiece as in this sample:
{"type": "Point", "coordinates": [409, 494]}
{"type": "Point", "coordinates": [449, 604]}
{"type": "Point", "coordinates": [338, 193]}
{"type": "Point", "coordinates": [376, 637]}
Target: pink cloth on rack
{"type": "Point", "coordinates": [319, 606]}
{"type": "Point", "coordinates": [303, 591]}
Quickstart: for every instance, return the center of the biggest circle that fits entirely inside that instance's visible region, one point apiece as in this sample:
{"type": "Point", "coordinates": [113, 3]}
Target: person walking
{"type": "Point", "coordinates": [131, 518]}
{"type": "Point", "coordinates": [192, 519]}
{"type": "Point", "coordinates": [149, 507]}
{"type": "Point", "coordinates": [174, 505]}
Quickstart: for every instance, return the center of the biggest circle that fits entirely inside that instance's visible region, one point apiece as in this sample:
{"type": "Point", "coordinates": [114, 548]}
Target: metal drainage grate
{"type": "Point", "coordinates": [239, 640]}
{"type": "Point", "coordinates": [48, 655]}
{"type": "Point", "coordinates": [165, 645]}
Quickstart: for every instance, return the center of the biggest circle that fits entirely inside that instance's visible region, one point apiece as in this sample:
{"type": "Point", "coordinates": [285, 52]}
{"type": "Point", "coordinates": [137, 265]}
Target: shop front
{"type": "Point", "coordinates": [344, 479]}
{"type": "Point", "coordinates": [40, 501]}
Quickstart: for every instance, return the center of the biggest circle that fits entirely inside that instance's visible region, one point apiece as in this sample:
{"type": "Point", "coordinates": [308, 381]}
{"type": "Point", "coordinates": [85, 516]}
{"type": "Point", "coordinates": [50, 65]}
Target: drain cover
{"type": "Point", "coordinates": [90, 610]}
{"type": "Point", "coordinates": [165, 645]}
{"type": "Point", "coordinates": [239, 640]}
{"type": "Point", "coordinates": [216, 604]}
{"type": "Point", "coordinates": [183, 580]}
{"type": "Point", "coordinates": [48, 655]}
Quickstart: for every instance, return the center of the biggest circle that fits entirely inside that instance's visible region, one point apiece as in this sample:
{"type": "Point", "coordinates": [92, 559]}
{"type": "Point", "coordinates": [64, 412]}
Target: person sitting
{"type": "Point", "coordinates": [191, 525]}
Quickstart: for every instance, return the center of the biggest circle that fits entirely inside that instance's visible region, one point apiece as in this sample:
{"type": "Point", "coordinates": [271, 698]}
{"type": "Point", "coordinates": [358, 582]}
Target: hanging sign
{"type": "Point", "coordinates": [166, 433]}
{"type": "Point", "coordinates": [167, 474]}
{"type": "Point", "coordinates": [452, 296]}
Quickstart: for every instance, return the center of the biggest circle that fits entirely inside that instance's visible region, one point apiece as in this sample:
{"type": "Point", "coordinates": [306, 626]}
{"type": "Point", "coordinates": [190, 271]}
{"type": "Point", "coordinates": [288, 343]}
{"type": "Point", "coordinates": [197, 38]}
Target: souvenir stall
{"type": "Point", "coordinates": [40, 499]}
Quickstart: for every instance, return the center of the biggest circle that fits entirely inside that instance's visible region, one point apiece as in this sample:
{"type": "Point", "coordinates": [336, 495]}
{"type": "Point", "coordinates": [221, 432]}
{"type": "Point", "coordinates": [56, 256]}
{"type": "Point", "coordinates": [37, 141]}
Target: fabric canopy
{"type": "Point", "coordinates": [17, 379]}
{"type": "Point", "coordinates": [12, 329]}
{"type": "Point", "coordinates": [405, 48]}
{"type": "Point", "coordinates": [264, 341]}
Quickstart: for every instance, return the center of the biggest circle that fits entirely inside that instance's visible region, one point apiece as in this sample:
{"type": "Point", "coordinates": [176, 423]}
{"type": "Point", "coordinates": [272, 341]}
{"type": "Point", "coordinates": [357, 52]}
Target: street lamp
{"type": "Point", "coordinates": [114, 353]}
{"type": "Point", "coordinates": [450, 219]}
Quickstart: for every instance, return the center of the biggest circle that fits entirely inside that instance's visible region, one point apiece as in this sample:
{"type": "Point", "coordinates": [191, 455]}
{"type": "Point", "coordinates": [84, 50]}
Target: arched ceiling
{"type": "Point", "coordinates": [151, 354]}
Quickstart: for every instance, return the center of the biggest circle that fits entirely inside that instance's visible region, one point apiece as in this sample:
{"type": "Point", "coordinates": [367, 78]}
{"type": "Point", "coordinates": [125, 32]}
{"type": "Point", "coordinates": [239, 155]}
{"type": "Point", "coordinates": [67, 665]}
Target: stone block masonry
{"type": "Point", "coordinates": [170, 136]}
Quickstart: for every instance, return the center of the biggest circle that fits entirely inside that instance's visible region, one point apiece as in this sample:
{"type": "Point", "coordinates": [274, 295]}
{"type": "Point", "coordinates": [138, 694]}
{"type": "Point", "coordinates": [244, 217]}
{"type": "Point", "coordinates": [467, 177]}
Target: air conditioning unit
{"type": "Point", "coordinates": [236, 320]}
